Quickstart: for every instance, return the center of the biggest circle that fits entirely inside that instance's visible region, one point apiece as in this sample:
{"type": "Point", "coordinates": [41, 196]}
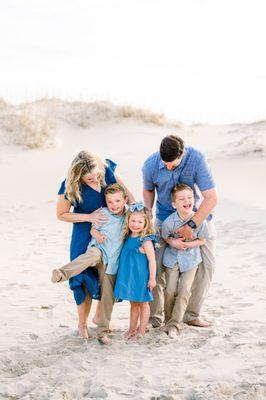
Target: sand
{"type": "Point", "coordinates": [41, 355]}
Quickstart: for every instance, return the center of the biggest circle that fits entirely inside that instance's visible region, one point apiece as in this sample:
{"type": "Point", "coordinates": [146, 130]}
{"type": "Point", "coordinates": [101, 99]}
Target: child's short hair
{"type": "Point", "coordinates": [178, 188]}
{"type": "Point", "coordinates": [115, 188]}
{"type": "Point", "coordinates": [148, 227]}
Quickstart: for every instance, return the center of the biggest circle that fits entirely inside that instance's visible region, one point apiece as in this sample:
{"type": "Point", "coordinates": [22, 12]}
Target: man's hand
{"type": "Point", "coordinates": [185, 231]}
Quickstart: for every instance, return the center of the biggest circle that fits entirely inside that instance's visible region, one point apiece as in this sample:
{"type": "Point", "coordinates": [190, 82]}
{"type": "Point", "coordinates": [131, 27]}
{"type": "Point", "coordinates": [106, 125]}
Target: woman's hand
{"type": "Point", "coordinates": [151, 284]}
{"type": "Point", "coordinates": [97, 217]}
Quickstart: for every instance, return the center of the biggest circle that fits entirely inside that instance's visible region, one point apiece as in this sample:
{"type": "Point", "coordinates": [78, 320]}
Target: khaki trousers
{"type": "Point", "coordinates": [177, 294]}
{"type": "Point", "coordinates": [107, 303]}
{"type": "Point", "coordinates": [200, 285]}
{"type": "Point", "coordinates": [92, 258]}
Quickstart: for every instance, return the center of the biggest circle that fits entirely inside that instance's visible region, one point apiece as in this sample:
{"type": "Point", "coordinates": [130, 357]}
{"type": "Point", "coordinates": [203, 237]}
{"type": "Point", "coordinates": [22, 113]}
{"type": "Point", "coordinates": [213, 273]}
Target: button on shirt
{"type": "Point", "coordinates": [186, 259]}
{"type": "Point", "coordinates": [193, 170]}
{"type": "Point", "coordinates": [111, 247]}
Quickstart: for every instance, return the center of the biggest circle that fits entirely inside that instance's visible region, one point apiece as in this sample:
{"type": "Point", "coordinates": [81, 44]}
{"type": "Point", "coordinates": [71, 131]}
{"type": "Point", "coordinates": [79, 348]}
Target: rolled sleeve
{"type": "Point", "coordinates": [204, 178]}
{"type": "Point", "coordinates": [147, 177]}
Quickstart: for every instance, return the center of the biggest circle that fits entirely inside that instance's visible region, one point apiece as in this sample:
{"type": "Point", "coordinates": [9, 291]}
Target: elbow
{"type": "Point", "coordinates": [60, 217]}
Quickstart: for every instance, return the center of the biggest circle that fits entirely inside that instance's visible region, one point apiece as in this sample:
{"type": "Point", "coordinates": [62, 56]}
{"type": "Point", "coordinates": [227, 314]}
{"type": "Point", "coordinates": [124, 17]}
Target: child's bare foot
{"type": "Point", "coordinates": [95, 319]}
{"type": "Point", "coordinates": [56, 276]}
{"type": "Point", "coordinates": [199, 323]}
{"type": "Point", "coordinates": [83, 332]}
{"type": "Point", "coordinates": [105, 340]}
{"type": "Point", "coordinates": [129, 334]}
{"type": "Point", "coordinates": [172, 332]}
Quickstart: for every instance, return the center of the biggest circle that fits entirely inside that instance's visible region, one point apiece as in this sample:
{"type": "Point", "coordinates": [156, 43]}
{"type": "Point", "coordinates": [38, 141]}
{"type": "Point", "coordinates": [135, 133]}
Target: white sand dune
{"type": "Point", "coordinates": [41, 357]}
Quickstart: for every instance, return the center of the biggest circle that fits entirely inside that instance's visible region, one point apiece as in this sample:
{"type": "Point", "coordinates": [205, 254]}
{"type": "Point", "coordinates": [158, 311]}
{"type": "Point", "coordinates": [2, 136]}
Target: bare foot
{"type": "Point", "coordinates": [172, 332]}
{"type": "Point", "coordinates": [199, 323]}
{"type": "Point", "coordinates": [83, 331]}
{"type": "Point", "coordinates": [56, 276]}
{"type": "Point", "coordinates": [129, 334]}
{"type": "Point", "coordinates": [105, 340]}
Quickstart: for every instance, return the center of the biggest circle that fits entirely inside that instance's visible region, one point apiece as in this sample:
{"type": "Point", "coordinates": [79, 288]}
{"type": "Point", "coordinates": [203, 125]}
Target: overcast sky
{"type": "Point", "coordinates": [195, 60]}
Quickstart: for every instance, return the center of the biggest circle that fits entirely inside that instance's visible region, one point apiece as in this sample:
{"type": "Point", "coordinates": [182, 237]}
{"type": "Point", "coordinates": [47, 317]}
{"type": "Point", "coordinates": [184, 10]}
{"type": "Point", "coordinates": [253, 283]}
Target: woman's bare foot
{"type": "Point", "coordinates": [199, 323]}
{"type": "Point", "coordinates": [105, 340]}
{"type": "Point", "coordinates": [83, 332]}
{"type": "Point", "coordinates": [56, 276]}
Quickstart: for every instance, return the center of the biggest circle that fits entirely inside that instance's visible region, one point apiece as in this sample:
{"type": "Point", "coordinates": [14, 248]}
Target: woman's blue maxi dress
{"type": "Point", "coordinates": [81, 236]}
{"type": "Point", "coordinates": [133, 272]}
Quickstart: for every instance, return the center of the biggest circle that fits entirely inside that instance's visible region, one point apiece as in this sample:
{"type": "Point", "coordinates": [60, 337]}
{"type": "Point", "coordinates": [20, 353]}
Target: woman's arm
{"type": "Point", "coordinates": [63, 213]}
{"type": "Point", "coordinates": [150, 254]}
{"type": "Point", "coordinates": [131, 198]}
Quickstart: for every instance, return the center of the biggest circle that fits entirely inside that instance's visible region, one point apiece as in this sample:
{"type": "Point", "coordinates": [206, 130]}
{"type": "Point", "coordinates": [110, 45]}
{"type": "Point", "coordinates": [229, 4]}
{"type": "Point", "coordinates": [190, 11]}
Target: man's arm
{"type": "Point", "coordinates": [209, 202]}
{"type": "Point", "coordinates": [148, 197]}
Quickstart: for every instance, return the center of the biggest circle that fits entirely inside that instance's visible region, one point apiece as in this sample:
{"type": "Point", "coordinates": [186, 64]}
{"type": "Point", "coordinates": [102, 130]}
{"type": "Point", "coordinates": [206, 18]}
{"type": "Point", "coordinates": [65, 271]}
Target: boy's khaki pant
{"type": "Point", "coordinates": [177, 294]}
{"type": "Point", "coordinates": [200, 285]}
{"type": "Point", "coordinates": [93, 258]}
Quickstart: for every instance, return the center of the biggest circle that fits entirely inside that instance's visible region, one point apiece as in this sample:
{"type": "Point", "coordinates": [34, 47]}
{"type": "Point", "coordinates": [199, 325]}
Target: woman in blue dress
{"type": "Point", "coordinates": [83, 189]}
{"type": "Point", "coordinates": [137, 267]}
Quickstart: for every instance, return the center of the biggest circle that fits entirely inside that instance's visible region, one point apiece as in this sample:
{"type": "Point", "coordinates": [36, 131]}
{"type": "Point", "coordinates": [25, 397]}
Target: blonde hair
{"type": "Point", "coordinates": [84, 163]}
{"type": "Point", "coordinates": [115, 188]}
{"type": "Point", "coordinates": [179, 188]}
{"type": "Point", "coordinates": [148, 226]}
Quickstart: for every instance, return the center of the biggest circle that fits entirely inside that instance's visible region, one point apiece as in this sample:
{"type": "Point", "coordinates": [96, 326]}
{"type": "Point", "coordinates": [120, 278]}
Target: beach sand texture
{"type": "Point", "coordinates": [41, 355]}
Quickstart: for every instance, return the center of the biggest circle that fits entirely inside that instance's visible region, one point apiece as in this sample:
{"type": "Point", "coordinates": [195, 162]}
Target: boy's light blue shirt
{"type": "Point", "coordinates": [186, 259]}
{"type": "Point", "coordinates": [111, 247]}
{"type": "Point", "coordinates": [193, 170]}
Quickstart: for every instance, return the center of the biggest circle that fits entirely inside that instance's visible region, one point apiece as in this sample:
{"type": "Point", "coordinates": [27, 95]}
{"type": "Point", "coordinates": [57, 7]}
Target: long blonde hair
{"type": "Point", "coordinates": [84, 163]}
{"type": "Point", "coordinates": [148, 226]}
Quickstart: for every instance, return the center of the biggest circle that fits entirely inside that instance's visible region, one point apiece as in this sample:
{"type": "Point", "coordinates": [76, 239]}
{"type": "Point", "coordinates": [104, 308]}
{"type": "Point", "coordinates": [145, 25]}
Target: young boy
{"type": "Point", "coordinates": [103, 253]}
{"type": "Point", "coordinates": [181, 258]}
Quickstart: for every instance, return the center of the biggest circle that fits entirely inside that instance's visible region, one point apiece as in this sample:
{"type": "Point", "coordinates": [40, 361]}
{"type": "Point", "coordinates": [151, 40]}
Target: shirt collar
{"type": "Point", "coordinates": [161, 165]}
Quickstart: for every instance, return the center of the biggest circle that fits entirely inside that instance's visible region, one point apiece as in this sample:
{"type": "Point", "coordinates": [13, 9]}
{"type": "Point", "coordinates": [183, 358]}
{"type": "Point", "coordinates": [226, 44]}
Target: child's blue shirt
{"type": "Point", "coordinates": [186, 259]}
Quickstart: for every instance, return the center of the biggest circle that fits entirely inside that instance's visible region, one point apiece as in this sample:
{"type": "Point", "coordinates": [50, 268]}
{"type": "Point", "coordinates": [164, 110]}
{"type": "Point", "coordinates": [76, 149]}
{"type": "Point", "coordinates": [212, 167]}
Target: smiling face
{"type": "Point", "coordinates": [116, 202]}
{"type": "Point", "coordinates": [136, 222]}
{"type": "Point", "coordinates": [184, 202]}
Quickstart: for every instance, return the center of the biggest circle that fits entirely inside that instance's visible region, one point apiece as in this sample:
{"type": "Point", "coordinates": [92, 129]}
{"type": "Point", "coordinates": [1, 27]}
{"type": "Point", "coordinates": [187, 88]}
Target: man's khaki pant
{"type": "Point", "coordinates": [200, 285]}
{"type": "Point", "coordinates": [177, 294]}
{"type": "Point", "coordinates": [93, 258]}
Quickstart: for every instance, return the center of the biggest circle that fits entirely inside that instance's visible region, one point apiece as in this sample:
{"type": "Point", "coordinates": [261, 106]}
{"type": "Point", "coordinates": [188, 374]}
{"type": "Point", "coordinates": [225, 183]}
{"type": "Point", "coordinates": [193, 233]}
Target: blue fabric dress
{"type": "Point", "coordinates": [81, 236]}
{"type": "Point", "coordinates": [133, 272]}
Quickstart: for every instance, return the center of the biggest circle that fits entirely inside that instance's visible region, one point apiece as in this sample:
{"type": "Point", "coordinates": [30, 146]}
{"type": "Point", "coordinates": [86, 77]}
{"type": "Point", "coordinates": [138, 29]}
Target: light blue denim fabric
{"type": "Point", "coordinates": [186, 259]}
{"type": "Point", "coordinates": [193, 170]}
{"type": "Point", "coordinates": [111, 247]}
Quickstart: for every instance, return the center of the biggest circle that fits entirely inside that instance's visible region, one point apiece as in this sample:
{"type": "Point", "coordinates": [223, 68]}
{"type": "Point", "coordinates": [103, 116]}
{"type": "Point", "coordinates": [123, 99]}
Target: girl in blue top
{"type": "Point", "coordinates": [83, 190]}
{"type": "Point", "coordinates": [137, 268]}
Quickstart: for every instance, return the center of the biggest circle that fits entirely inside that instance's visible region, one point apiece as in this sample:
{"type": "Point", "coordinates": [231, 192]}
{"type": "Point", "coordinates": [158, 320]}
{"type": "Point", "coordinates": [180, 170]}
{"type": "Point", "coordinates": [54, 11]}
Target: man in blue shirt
{"type": "Point", "coordinates": [176, 163]}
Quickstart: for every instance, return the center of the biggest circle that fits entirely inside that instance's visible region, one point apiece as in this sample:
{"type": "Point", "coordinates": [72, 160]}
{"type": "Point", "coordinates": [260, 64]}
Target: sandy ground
{"type": "Point", "coordinates": [42, 357]}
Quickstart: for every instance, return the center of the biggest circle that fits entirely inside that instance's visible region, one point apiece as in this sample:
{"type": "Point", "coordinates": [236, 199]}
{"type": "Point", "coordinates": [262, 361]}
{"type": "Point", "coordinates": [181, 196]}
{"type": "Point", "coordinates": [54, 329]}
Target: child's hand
{"type": "Point", "coordinates": [151, 284]}
{"type": "Point", "coordinates": [179, 243]}
{"type": "Point", "coordinates": [101, 238]}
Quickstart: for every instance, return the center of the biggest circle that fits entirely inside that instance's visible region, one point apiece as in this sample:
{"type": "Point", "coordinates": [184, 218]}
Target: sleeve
{"type": "Point", "coordinates": [110, 172]}
{"type": "Point", "coordinates": [62, 188]}
{"type": "Point", "coordinates": [153, 238]}
{"type": "Point", "coordinates": [166, 229]}
{"type": "Point", "coordinates": [148, 183]}
{"type": "Point", "coordinates": [203, 232]}
{"type": "Point", "coordinates": [204, 178]}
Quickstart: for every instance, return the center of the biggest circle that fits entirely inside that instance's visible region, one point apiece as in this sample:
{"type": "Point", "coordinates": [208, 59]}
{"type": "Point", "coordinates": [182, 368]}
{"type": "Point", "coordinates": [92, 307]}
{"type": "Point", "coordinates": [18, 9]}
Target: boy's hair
{"type": "Point", "coordinates": [115, 188]}
{"type": "Point", "coordinates": [171, 148]}
{"type": "Point", "coordinates": [148, 227]}
{"type": "Point", "coordinates": [178, 188]}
